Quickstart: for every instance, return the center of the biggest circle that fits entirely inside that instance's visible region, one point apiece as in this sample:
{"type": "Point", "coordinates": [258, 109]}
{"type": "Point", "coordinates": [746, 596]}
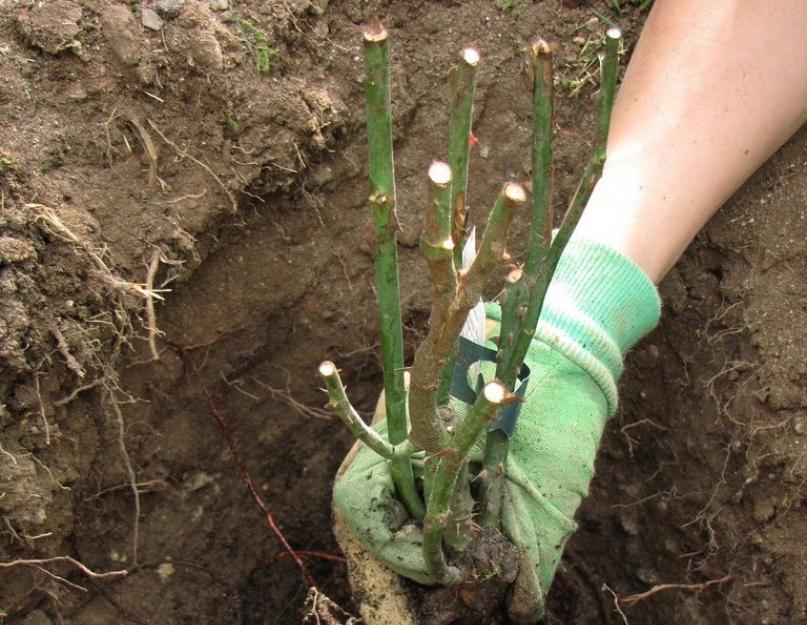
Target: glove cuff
{"type": "Point", "coordinates": [598, 305]}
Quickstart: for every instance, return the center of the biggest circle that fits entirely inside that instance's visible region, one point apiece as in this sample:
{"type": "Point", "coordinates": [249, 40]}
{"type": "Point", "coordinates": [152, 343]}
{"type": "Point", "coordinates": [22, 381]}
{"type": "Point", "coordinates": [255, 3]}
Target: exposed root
{"type": "Point", "coordinates": [64, 350]}
{"type": "Point", "coordinates": [632, 441]}
{"type": "Point", "coordinates": [221, 420]}
{"type": "Point", "coordinates": [318, 555]}
{"type": "Point", "coordinates": [63, 401]}
{"type": "Point", "coordinates": [149, 486]}
{"type": "Point", "coordinates": [49, 216]}
{"type": "Point", "coordinates": [130, 472]}
{"type": "Point", "coordinates": [151, 316]}
{"type": "Point", "coordinates": [47, 470]}
{"type": "Point", "coordinates": [287, 398]}
{"type": "Point", "coordinates": [148, 146]}
{"type": "Point", "coordinates": [184, 154]}
{"type": "Point", "coordinates": [8, 454]}
{"type": "Point", "coordinates": [617, 608]}
{"type": "Point", "coordinates": [320, 610]}
{"type": "Point", "coordinates": [41, 404]}
{"type": "Point", "coordinates": [41, 563]}
{"type": "Point", "coordinates": [634, 599]}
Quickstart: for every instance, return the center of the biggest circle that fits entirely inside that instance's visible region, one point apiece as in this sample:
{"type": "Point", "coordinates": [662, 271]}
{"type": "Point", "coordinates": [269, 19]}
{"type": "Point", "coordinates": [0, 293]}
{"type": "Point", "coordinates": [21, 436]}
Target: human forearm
{"type": "Point", "coordinates": [712, 90]}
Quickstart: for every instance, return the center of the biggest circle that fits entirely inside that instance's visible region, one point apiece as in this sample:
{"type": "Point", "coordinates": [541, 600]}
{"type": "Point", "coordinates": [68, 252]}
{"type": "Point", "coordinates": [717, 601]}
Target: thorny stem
{"type": "Point", "coordinates": [452, 460]}
{"type": "Point", "coordinates": [517, 293]}
{"type": "Point", "coordinates": [437, 247]}
{"type": "Point", "coordinates": [463, 86]}
{"type": "Point", "coordinates": [436, 348]}
{"type": "Point", "coordinates": [436, 243]}
{"type": "Point", "coordinates": [382, 206]}
{"type": "Point", "coordinates": [460, 522]}
{"type": "Point", "coordinates": [542, 111]}
{"type": "Point", "coordinates": [524, 300]}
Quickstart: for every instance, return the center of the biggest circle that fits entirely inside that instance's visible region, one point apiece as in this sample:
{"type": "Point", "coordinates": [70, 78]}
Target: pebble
{"type": "Point", "coordinates": [151, 20]}
{"type": "Point", "coordinates": [647, 575]}
{"type": "Point", "coordinates": [169, 9]}
{"type": "Point", "coordinates": [121, 33]}
{"type": "Point", "coordinates": [219, 5]}
{"type": "Point", "coordinates": [76, 93]}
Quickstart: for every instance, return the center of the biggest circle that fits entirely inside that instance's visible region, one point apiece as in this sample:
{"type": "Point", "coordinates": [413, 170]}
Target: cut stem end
{"type": "Point", "coordinates": [440, 173]}
{"type": "Point", "coordinates": [374, 31]}
{"type": "Point", "coordinates": [327, 369]}
{"type": "Point", "coordinates": [470, 56]}
{"type": "Point", "coordinates": [514, 193]}
{"type": "Point", "coordinates": [495, 393]}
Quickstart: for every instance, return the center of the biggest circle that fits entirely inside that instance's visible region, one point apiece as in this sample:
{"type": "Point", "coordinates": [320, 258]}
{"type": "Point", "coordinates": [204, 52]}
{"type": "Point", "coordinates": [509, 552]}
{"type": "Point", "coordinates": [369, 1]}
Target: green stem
{"type": "Point", "coordinates": [382, 206]}
{"type": "Point", "coordinates": [592, 173]}
{"type": "Point", "coordinates": [542, 116]}
{"type": "Point", "coordinates": [517, 294]}
{"type": "Point", "coordinates": [445, 479]}
{"type": "Point", "coordinates": [610, 71]}
{"type": "Point", "coordinates": [432, 354]}
{"type": "Point", "coordinates": [463, 86]}
{"type": "Point", "coordinates": [436, 243]}
{"type": "Point", "coordinates": [494, 465]}
{"type": "Point", "coordinates": [437, 246]}
{"type": "Point", "coordinates": [460, 522]}
{"type": "Point", "coordinates": [338, 400]}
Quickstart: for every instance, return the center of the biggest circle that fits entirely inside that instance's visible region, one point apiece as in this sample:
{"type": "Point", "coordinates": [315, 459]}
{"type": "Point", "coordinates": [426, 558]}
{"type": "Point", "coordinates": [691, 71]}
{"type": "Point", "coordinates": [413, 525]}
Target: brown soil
{"type": "Point", "coordinates": [125, 148]}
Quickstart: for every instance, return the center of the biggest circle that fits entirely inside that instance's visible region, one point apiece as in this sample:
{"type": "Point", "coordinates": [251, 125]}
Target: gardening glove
{"type": "Point", "coordinates": [598, 306]}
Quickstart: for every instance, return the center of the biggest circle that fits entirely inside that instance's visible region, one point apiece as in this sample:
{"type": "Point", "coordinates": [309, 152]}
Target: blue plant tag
{"type": "Point", "coordinates": [469, 353]}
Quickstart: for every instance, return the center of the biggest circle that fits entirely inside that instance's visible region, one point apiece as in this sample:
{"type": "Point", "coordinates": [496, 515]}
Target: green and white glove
{"type": "Point", "coordinates": [598, 306]}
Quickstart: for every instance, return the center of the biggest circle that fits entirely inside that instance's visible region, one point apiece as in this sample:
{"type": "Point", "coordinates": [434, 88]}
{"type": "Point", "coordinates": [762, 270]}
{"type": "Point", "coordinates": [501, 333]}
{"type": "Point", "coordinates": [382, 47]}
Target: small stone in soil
{"type": "Point", "coordinates": [151, 20]}
{"type": "Point", "coordinates": [219, 5]}
{"type": "Point", "coordinates": [169, 9]}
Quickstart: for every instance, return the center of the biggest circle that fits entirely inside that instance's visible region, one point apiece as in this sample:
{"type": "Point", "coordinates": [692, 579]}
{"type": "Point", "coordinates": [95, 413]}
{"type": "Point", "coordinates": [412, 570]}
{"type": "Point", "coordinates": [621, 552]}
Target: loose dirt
{"type": "Point", "coordinates": [214, 170]}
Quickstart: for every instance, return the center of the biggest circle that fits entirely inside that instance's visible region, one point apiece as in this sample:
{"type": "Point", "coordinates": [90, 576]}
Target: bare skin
{"type": "Point", "coordinates": [712, 90]}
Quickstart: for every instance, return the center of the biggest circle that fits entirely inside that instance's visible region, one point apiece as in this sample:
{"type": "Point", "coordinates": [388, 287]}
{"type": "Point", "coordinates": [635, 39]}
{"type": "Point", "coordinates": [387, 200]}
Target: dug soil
{"type": "Point", "coordinates": [184, 236]}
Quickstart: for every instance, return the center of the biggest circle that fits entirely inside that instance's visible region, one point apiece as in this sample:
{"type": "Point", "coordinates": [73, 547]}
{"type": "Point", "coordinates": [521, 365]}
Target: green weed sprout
{"type": "Point", "coordinates": [446, 437]}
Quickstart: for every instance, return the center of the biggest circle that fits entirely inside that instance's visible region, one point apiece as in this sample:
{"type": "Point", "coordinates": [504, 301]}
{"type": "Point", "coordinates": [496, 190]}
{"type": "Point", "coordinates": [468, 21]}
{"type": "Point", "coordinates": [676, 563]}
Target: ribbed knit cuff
{"type": "Point", "coordinates": [598, 305]}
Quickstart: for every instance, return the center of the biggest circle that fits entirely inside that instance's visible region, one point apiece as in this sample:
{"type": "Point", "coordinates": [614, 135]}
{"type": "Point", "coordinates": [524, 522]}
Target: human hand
{"type": "Point", "coordinates": [599, 305]}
